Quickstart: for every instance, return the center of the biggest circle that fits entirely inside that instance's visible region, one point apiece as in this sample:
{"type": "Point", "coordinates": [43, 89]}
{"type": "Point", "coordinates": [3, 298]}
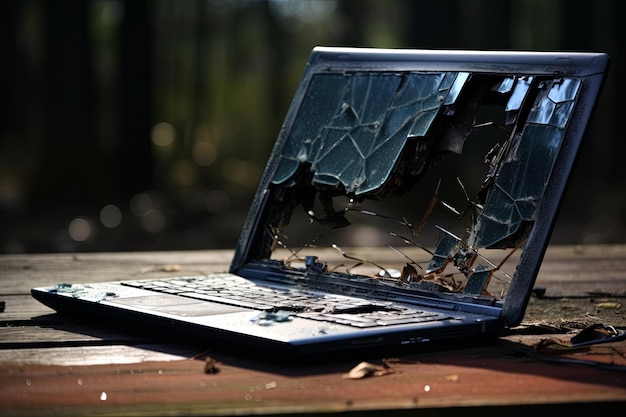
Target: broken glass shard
{"type": "Point", "coordinates": [516, 100]}
{"type": "Point", "coordinates": [369, 117]}
{"type": "Point", "coordinates": [465, 156]}
{"type": "Point", "coordinates": [514, 198]}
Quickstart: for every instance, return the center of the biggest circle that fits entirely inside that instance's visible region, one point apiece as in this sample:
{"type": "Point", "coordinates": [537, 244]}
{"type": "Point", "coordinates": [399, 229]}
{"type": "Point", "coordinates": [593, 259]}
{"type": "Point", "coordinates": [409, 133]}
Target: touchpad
{"type": "Point", "coordinates": [180, 306]}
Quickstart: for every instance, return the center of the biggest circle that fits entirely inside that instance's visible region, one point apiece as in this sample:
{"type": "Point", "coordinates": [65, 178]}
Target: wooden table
{"type": "Point", "coordinates": [51, 365]}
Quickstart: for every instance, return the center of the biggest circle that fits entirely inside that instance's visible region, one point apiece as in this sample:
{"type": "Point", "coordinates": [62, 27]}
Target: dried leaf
{"type": "Point", "coordinates": [365, 369]}
{"type": "Point", "coordinates": [608, 304]}
{"type": "Point", "coordinates": [162, 268]}
{"type": "Point", "coordinates": [453, 378]}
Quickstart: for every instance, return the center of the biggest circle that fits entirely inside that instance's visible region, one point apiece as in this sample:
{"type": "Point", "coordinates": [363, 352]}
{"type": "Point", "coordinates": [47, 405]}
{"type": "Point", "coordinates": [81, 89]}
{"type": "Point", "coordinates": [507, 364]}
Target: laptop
{"type": "Point", "coordinates": [408, 201]}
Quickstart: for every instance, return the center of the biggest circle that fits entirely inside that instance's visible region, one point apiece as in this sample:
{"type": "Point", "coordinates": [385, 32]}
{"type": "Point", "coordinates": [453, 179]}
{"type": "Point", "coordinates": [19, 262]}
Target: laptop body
{"type": "Point", "coordinates": [450, 164]}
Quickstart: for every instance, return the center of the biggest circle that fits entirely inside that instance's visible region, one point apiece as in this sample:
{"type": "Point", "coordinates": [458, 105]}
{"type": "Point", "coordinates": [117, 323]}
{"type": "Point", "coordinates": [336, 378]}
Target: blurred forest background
{"type": "Point", "coordinates": [145, 124]}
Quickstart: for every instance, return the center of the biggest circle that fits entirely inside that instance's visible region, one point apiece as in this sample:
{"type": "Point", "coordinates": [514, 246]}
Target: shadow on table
{"type": "Point", "coordinates": [596, 364]}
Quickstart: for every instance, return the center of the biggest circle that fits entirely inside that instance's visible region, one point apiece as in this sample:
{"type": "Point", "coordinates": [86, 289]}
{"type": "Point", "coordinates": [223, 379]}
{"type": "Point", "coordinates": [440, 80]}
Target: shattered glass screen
{"type": "Point", "coordinates": [442, 172]}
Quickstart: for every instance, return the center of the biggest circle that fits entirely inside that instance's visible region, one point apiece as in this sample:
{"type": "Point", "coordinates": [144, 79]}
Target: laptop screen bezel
{"type": "Point", "coordinates": [591, 67]}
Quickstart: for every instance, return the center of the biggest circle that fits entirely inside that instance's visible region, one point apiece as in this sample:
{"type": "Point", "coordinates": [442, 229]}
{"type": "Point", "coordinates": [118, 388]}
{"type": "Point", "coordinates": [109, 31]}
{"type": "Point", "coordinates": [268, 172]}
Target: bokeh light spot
{"type": "Point", "coordinates": [203, 153]}
{"type": "Point", "coordinates": [79, 229]}
{"type": "Point", "coordinates": [163, 134]}
{"type": "Point", "coordinates": [110, 216]}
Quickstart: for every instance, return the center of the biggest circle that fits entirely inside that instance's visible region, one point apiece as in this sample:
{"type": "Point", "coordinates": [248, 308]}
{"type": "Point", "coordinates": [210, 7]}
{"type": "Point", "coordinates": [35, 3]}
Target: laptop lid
{"type": "Point", "coordinates": [451, 163]}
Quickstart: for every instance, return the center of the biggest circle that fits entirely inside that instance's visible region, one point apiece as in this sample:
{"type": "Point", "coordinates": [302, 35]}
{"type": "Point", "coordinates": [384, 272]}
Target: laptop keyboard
{"type": "Point", "coordinates": [233, 290]}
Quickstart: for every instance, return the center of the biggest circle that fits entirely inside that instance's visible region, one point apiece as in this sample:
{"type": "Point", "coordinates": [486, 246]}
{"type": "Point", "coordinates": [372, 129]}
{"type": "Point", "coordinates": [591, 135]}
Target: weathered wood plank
{"type": "Point", "coordinates": [464, 378]}
{"type": "Point", "coordinates": [20, 273]}
{"type": "Point", "coordinates": [603, 264]}
{"type": "Point", "coordinates": [22, 307]}
{"type": "Point", "coordinates": [58, 366]}
{"type": "Point", "coordinates": [96, 354]}
{"type": "Point", "coordinates": [59, 333]}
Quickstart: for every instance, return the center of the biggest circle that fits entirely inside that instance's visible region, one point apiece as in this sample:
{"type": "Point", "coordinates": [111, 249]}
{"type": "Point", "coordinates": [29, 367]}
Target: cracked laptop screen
{"type": "Point", "coordinates": [441, 172]}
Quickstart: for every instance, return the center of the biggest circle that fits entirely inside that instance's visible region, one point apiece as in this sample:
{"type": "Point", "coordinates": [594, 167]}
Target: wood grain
{"type": "Point", "coordinates": [52, 365]}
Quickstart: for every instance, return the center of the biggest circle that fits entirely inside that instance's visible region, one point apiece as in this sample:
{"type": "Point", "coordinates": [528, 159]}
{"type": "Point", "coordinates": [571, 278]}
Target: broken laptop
{"type": "Point", "coordinates": [408, 200]}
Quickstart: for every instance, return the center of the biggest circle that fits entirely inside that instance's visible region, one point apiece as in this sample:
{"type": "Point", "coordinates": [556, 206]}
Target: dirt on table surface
{"type": "Point", "coordinates": [558, 323]}
{"type": "Point", "coordinates": [576, 311]}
